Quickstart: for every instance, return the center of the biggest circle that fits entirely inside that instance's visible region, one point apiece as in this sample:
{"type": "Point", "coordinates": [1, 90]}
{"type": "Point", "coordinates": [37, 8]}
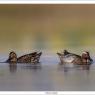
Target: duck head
{"type": "Point", "coordinates": [12, 54]}
{"type": "Point", "coordinates": [12, 57]}
{"type": "Point", "coordinates": [86, 57]}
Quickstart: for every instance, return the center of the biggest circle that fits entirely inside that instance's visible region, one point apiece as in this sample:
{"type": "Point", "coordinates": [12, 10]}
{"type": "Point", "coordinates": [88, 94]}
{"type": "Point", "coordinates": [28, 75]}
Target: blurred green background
{"type": "Point", "coordinates": [47, 27]}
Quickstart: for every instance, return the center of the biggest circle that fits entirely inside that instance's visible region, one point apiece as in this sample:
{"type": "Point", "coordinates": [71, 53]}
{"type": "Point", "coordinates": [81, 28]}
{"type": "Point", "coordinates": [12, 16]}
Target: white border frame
{"type": "Point", "coordinates": [46, 2]}
{"type": "Point", "coordinates": [47, 92]}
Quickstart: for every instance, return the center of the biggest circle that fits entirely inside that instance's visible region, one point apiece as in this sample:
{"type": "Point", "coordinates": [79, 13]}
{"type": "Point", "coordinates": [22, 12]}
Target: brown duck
{"type": "Point", "coordinates": [67, 57]}
{"type": "Point", "coordinates": [27, 58]}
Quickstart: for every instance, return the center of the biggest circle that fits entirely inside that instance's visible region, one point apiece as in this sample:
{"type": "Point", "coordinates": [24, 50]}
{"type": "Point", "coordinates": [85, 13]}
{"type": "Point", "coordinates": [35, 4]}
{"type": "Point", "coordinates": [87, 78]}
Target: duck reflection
{"type": "Point", "coordinates": [13, 67]}
{"type": "Point", "coordinates": [85, 67]}
{"type": "Point", "coordinates": [68, 66]}
{"type": "Point", "coordinates": [33, 67]}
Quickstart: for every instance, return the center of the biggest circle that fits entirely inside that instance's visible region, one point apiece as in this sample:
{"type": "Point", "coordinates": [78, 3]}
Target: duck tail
{"type": "Point", "coordinates": [59, 54]}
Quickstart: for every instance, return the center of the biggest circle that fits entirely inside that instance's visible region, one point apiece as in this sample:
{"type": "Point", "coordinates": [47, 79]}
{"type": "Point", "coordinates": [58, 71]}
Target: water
{"type": "Point", "coordinates": [47, 28]}
{"type": "Point", "coordinates": [48, 76]}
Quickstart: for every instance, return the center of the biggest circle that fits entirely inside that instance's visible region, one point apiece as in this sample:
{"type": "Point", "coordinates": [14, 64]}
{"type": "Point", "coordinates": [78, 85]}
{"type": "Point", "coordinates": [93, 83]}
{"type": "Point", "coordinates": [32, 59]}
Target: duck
{"type": "Point", "coordinates": [27, 58]}
{"type": "Point", "coordinates": [30, 58]}
{"type": "Point", "coordinates": [67, 57]}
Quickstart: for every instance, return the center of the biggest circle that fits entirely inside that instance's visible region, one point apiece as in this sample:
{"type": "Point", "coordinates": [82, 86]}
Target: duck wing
{"type": "Point", "coordinates": [70, 58]}
{"type": "Point", "coordinates": [33, 54]}
{"type": "Point", "coordinates": [26, 57]}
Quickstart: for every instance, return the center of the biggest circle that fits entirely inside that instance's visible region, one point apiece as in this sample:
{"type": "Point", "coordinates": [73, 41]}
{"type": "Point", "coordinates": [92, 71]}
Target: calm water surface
{"type": "Point", "coordinates": [47, 76]}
